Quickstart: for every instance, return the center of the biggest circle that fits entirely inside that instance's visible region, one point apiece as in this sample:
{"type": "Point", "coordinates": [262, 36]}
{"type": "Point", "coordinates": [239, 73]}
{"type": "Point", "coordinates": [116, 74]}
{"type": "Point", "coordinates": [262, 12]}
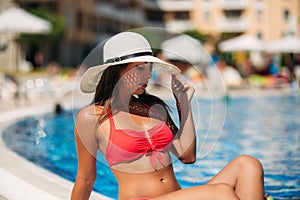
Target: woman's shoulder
{"type": "Point", "coordinates": [90, 113]}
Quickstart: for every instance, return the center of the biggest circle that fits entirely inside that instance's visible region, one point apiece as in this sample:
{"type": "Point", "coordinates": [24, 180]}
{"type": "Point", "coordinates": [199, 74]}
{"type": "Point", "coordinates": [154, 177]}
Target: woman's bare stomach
{"type": "Point", "coordinates": [149, 184]}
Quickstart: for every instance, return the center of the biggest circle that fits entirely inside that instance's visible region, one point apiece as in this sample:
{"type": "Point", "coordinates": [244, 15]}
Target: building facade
{"type": "Point", "coordinates": [89, 22]}
{"type": "Point", "coordinates": [268, 20]}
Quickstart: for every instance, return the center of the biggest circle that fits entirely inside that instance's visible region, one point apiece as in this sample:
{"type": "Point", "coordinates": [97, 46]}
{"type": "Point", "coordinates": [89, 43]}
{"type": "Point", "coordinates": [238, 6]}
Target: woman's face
{"type": "Point", "coordinates": [135, 77]}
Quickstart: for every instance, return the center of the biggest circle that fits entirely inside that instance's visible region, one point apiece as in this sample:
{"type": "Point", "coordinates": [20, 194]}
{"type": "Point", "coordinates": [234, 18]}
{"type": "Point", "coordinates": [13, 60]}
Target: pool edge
{"type": "Point", "coordinates": [24, 179]}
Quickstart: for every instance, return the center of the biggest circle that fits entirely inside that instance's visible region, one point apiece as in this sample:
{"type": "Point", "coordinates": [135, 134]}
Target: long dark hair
{"type": "Point", "coordinates": [106, 86]}
{"type": "Point", "coordinates": [107, 83]}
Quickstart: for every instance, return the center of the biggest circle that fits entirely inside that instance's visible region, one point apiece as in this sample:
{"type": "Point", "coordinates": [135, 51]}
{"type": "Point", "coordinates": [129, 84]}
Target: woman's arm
{"type": "Point", "coordinates": [185, 140]}
{"type": "Point", "coordinates": [86, 146]}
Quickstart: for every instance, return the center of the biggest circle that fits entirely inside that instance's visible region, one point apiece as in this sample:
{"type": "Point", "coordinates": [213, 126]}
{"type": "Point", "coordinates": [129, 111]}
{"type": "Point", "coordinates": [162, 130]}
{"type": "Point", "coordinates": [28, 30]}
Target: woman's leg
{"type": "Point", "coordinates": [245, 174]}
{"type": "Point", "coordinates": [205, 192]}
{"type": "Point", "coordinates": [241, 179]}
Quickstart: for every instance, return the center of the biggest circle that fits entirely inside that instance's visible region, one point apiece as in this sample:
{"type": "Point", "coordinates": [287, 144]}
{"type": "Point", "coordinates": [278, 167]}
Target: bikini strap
{"type": "Point", "coordinates": [111, 120]}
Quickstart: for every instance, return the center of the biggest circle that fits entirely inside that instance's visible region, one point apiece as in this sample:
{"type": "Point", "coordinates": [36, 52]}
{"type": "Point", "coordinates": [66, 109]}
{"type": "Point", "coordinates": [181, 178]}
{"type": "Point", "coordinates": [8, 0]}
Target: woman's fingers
{"type": "Point", "coordinates": [180, 87]}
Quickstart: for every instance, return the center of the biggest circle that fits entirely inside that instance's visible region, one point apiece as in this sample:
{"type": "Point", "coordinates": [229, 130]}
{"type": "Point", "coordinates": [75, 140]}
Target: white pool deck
{"type": "Point", "coordinates": [23, 180]}
{"type": "Point", "coordinates": [20, 179]}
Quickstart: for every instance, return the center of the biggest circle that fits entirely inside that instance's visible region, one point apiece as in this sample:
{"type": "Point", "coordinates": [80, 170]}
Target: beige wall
{"type": "Point", "coordinates": [275, 23]}
{"type": "Point", "coordinates": [201, 22]}
{"type": "Point", "coordinates": [271, 24]}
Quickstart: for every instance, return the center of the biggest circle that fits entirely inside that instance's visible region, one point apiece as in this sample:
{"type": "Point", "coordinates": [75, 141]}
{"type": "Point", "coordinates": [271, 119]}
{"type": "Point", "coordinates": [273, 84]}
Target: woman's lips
{"type": "Point", "coordinates": [144, 85]}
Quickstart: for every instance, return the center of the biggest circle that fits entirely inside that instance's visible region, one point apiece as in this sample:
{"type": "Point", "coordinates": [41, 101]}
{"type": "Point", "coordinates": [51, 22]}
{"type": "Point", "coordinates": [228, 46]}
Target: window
{"type": "Point", "coordinates": [286, 15]}
{"type": "Point", "coordinates": [206, 16]}
{"type": "Point", "coordinates": [233, 13]}
{"type": "Point", "coordinates": [182, 15]}
{"type": "Point", "coordinates": [154, 15]}
{"type": "Point", "coordinates": [259, 35]}
{"type": "Point", "coordinates": [79, 19]}
{"type": "Point", "coordinates": [259, 15]}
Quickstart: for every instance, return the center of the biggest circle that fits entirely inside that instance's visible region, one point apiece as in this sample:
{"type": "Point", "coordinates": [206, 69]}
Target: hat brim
{"type": "Point", "coordinates": [92, 76]}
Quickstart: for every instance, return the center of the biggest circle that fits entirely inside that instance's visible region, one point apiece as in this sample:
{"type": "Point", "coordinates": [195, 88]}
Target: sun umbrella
{"type": "Point", "coordinates": [16, 20]}
{"type": "Point", "coordinates": [242, 43]}
{"type": "Point", "coordinates": [288, 44]}
{"type": "Point", "coordinates": [184, 47]}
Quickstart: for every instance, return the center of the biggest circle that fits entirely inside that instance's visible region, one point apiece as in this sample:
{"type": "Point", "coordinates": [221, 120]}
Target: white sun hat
{"type": "Point", "coordinates": [125, 47]}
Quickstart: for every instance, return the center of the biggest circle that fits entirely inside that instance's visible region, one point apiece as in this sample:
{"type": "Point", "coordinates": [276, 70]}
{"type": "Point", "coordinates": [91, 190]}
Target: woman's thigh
{"type": "Point", "coordinates": [205, 192]}
{"type": "Point", "coordinates": [227, 175]}
{"type": "Point", "coordinates": [241, 167]}
{"type": "Point", "coordinates": [223, 185]}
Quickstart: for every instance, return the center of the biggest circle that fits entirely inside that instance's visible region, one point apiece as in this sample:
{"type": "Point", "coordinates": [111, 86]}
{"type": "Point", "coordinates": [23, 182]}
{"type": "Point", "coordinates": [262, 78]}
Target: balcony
{"type": "Point", "coordinates": [233, 4]}
{"type": "Point", "coordinates": [157, 24]}
{"type": "Point", "coordinates": [169, 5]}
{"type": "Point", "coordinates": [260, 5]}
{"type": "Point", "coordinates": [179, 25]}
{"type": "Point", "coordinates": [132, 16]}
{"type": "Point", "coordinates": [233, 25]}
{"type": "Point", "coordinates": [106, 10]}
{"type": "Point", "coordinates": [128, 15]}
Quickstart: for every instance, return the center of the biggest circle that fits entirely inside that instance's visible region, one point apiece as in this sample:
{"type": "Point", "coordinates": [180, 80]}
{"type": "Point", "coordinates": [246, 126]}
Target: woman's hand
{"type": "Point", "coordinates": [185, 140]}
{"type": "Point", "coordinates": [182, 91]}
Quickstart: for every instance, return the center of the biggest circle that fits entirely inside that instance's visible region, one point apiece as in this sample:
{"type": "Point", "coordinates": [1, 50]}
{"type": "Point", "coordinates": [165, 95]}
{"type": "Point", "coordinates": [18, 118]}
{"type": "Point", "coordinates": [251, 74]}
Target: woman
{"type": "Point", "coordinates": [135, 132]}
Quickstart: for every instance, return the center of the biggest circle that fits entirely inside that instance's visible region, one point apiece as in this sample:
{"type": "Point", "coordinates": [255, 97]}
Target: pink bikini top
{"type": "Point", "coordinates": [127, 145]}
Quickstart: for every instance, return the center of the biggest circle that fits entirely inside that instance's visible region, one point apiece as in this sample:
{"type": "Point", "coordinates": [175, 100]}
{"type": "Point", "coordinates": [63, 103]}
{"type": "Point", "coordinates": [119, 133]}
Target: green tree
{"type": "Point", "coordinates": [57, 30]}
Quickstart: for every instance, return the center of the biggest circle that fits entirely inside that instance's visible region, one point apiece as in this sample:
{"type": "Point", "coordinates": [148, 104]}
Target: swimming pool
{"type": "Point", "coordinates": [267, 128]}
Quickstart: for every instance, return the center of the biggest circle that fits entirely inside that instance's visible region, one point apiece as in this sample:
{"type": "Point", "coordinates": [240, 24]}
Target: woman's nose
{"type": "Point", "coordinates": [149, 74]}
{"type": "Point", "coordinates": [149, 71]}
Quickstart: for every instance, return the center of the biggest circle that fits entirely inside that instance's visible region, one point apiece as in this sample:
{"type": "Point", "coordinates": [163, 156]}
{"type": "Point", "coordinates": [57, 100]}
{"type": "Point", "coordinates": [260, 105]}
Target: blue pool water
{"type": "Point", "coordinates": [267, 128]}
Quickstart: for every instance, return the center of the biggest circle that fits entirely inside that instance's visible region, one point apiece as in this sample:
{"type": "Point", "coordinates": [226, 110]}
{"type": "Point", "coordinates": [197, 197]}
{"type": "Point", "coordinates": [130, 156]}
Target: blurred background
{"type": "Point", "coordinates": [70, 29]}
{"type": "Point", "coordinates": [248, 50]}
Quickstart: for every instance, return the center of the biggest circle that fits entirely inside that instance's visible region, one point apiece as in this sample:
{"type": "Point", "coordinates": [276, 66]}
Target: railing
{"type": "Point", "coordinates": [180, 25]}
{"type": "Point", "coordinates": [233, 4]}
{"type": "Point", "coordinates": [127, 15]}
{"type": "Point", "coordinates": [233, 25]}
{"type": "Point", "coordinates": [170, 5]}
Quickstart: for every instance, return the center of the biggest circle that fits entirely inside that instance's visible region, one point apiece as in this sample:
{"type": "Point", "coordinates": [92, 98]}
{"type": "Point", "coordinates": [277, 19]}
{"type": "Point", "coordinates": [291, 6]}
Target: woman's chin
{"type": "Point", "coordinates": [139, 91]}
